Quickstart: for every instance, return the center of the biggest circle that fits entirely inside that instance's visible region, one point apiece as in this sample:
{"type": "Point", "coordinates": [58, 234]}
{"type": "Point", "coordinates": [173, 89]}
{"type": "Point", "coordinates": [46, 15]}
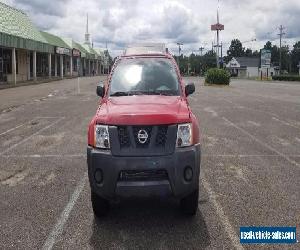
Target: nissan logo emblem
{"type": "Point", "coordinates": [142, 136]}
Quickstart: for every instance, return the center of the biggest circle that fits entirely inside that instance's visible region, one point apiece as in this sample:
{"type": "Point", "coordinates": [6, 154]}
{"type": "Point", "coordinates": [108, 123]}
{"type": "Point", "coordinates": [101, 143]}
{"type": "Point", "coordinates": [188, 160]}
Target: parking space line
{"type": "Point", "coordinates": [29, 137]}
{"type": "Point", "coordinates": [262, 143]}
{"type": "Point", "coordinates": [273, 115]}
{"type": "Point", "coordinates": [19, 126]}
{"type": "Point", "coordinates": [241, 156]}
{"type": "Point", "coordinates": [59, 226]}
{"type": "Point", "coordinates": [45, 156]}
{"type": "Point", "coordinates": [285, 123]}
{"type": "Point", "coordinates": [223, 218]}
{"type": "Point", "coordinates": [48, 117]}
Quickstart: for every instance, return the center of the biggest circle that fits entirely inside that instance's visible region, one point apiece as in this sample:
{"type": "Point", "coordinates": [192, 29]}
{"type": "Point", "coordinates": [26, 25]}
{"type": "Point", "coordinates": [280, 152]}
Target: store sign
{"type": "Point", "coordinates": [62, 51]}
{"type": "Point", "coordinates": [217, 26]}
{"type": "Point", "coordinates": [233, 64]}
{"type": "Point", "coordinates": [265, 58]}
{"type": "Point", "coordinates": [76, 53]}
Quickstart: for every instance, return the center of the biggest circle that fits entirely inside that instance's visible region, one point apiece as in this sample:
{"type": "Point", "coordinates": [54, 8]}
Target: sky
{"type": "Point", "coordinates": [118, 23]}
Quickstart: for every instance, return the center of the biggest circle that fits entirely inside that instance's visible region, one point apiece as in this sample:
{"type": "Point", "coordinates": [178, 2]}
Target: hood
{"type": "Point", "coordinates": [143, 110]}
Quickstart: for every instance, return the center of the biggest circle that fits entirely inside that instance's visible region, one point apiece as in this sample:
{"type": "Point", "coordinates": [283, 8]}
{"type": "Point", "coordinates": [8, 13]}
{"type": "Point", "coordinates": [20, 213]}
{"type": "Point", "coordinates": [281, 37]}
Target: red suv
{"type": "Point", "coordinates": [144, 138]}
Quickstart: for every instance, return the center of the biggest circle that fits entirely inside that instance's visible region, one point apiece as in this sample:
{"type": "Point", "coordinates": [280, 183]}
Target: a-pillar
{"type": "Point", "coordinates": [61, 66]}
{"type": "Point", "coordinates": [34, 65]}
{"type": "Point", "coordinates": [49, 65]}
{"type": "Point", "coordinates": [71, 66]}
{"type": "Point", "coordinates": [97, 67]}
{"type": "Point", "coordinates": [14, 66]}
{"type": "Point", "coordinates": [55, 65]}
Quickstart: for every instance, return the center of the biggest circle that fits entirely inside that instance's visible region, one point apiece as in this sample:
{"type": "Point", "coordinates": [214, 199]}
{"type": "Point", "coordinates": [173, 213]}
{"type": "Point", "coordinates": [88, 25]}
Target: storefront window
{"type": "Point", "coordinates": [41, 64]}
{"type": "Point", "coordinates": [75, 66]}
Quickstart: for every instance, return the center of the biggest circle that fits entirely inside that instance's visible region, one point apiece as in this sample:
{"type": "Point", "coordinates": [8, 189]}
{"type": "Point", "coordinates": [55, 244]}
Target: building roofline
{"type": "Point", "coordinates": [13, 8]}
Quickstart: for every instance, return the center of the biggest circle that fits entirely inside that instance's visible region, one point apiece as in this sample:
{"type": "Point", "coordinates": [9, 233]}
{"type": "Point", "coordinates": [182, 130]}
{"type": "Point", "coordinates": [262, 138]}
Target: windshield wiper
{"type": "Point", "coordinates": [160, 92]}
{"type": "Point", "coordinates": [120, 93]}
{"type": "Point", "coordinates": [123, 93]}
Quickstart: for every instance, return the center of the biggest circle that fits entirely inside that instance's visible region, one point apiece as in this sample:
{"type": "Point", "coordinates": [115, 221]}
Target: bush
{"type": "Point", "coordinates": [286, 78]}
{"type": "Point", "coordinates": [217, 76]}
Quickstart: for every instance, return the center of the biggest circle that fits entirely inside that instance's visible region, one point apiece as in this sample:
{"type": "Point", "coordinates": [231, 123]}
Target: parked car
{"type": "Point", "coordinates": [144, 139]}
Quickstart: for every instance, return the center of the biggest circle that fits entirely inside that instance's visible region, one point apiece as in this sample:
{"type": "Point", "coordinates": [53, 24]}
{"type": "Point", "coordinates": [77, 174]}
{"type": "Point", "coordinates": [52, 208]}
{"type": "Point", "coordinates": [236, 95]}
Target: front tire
{"type": "Point", "coordinates": [100, 205]}
{"type": "Point", "coordinates": [189, 204]}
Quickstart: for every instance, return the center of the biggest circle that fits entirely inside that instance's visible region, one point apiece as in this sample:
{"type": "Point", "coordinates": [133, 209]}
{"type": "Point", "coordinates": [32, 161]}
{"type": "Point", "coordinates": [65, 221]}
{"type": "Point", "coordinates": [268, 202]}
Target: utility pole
{"type": "Point", "coordinates": [281, 34]}
{"type": "Point", "coordinates": [179, 50]}
{"type": "Point", "coordinates": [201, 50]}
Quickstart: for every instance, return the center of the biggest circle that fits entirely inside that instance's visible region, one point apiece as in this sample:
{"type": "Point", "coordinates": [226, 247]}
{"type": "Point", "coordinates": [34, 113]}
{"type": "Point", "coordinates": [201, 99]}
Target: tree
{"type": "Point", "coordinates": [268, 45]}
{"type": "Point", "coordinates": [248, 52]}
{"type": "Point", "coordinates": [236, 49]}
{"type": "Point", "coordinates": [295, 57]}
{"type": "Point", "coordinates": [275, 55]}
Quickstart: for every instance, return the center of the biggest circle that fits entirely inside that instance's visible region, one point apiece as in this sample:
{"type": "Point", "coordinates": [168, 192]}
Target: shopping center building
{"type": "Point", "coordinates": [27, 54]}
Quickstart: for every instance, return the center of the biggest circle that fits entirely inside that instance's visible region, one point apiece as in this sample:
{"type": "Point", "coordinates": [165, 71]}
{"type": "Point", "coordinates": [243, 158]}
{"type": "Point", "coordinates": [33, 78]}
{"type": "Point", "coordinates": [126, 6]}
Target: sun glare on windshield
{"type": "Point", "coordinates": [133, 74]}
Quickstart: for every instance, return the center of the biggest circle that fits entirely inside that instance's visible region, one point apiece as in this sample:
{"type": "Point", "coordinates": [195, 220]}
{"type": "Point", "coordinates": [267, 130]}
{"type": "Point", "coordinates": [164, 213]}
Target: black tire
{"type": "Point", "coordinates": [189, 204]}
{"type": "Point", "coordinates": [100, 205]}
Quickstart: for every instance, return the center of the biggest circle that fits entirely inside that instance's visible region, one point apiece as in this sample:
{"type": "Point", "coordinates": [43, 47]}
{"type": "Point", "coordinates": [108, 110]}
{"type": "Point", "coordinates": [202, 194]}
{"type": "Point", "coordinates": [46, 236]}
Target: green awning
{"type": "Point", "coordinates": [84, 52]}
{"type": "Point", "coordinates": [17, 30]}
{"type": "Point", "coordinates": [22, 43]}
{"type": "Point", "coordinates": [55, 40]}
{"type": "Point", "coordinates": [92, 54]}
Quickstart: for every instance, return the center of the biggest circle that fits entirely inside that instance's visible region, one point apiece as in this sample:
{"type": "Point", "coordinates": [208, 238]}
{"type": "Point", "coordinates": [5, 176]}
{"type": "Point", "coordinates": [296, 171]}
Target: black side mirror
{"type": "Point", "coordinates": [189, 89]}
{"type": "Point", "coordinates": [100, 90]}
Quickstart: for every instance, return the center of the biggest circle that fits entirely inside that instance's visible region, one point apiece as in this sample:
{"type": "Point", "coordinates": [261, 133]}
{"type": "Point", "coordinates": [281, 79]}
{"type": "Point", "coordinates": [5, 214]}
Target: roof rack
{"type": "Point", "coordinates": [145, 48]}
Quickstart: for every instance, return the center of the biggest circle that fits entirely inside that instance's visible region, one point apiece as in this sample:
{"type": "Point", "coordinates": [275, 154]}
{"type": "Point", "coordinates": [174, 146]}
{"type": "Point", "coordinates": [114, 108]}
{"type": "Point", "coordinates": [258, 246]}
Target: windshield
{"type": "Point", "coordinates": [144, 76]}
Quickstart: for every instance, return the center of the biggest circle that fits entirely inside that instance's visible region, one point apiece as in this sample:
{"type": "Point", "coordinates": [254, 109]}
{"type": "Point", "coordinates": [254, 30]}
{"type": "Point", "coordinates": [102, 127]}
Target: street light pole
{"type": "Point", "coordinates": [201, 51]}
{"type": "Point", "coordinates": [179, 50]}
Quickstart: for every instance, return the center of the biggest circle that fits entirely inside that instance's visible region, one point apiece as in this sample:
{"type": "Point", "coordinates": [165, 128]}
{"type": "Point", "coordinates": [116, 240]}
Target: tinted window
{"type": "Point", "coordinates": [144, 76]}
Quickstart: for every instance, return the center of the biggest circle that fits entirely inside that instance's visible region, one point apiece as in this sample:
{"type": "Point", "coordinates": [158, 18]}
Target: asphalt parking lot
{"type": "Point", "coordinates": [250, 172]}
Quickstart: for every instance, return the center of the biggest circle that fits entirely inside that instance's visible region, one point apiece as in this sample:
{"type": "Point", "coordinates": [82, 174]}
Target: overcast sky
{"type": "Point", "coordinates": [121, 22]}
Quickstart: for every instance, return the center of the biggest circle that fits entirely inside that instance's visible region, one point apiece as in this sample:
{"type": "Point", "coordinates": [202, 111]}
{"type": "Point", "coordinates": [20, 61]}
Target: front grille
{"type": "Point", "coordinates": [160, 136]}
{"type": "Point", "coordinates": [143, 175]}
{"type": "Point", "coordinates": [143, 140]}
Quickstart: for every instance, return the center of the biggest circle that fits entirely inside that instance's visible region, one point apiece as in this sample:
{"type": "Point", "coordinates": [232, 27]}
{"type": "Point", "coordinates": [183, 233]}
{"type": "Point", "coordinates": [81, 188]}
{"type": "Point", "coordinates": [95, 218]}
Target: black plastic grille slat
{"type": "Point", "coordinates": [161, 136]}
{"type": "Point", "coordinates": [124, 138]}
{"type": "Point", "coordinates": [143, 175]}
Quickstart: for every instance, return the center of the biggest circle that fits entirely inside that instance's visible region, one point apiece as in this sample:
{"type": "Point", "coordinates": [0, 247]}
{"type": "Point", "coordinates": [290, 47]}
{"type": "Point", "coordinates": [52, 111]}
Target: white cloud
{"type": "Point", "coordinates": [128, 21]}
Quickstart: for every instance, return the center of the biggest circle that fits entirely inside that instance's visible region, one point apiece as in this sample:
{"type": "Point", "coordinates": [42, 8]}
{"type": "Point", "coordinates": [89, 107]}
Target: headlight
{"type": "Point", "coordinates": [102, 137]}
{"type": "Point", "coordinates": [184, 135]}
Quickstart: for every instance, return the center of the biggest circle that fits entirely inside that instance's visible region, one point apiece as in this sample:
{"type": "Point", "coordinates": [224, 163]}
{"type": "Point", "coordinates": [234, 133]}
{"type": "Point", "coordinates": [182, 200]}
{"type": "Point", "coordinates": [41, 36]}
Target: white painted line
{"type": "Point", "coordinates": [48, 117]}
{"type": "Point", "coordinates": [19, 126]}
{"type": "Point", "coordinates": [59, 226]}
{"type": "Point", "coordinates": [262, 143]}
{"type": "Point", "coordinates": [233, 155]}
{"type": "Point", "coordinates": [256, 110]}
{"type": "Point", "coordinates": [285, 123]}
{"type": "Point", "coordinates": [233, 236]}
{"type": "Point", "coordinates": [29, 137]}
{"type": "Point", "coordinates": [45, 156]}
{"type": "Point", "coordinates": [274, 116]}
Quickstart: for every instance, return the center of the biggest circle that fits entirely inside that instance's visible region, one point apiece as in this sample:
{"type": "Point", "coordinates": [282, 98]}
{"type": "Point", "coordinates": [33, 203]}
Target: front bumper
{"type": "Point", "coordinates": [111, 166]}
